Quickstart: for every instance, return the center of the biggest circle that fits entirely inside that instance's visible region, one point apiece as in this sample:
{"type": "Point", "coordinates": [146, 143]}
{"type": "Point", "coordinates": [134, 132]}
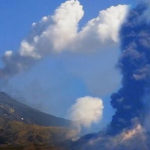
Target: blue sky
{"type": "Point", "coordinates": [58, 78]}
{"type": "Point", "coordinates": [17, 16]}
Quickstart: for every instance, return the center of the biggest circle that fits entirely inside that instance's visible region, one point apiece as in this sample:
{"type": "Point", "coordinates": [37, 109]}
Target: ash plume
{"type": "Point", "coordinates": [133, 139]}
{"type": "Point", "coordinates": [127, 130]}
{"type": "Point", "coordinates": [134, 64]}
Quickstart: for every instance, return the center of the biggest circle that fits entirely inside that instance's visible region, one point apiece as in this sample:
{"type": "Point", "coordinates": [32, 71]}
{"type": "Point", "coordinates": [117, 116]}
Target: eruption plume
{"type": "Point", "coordinates": [127, 130]}
{"type": "Point", "coordinates": [135, 68]}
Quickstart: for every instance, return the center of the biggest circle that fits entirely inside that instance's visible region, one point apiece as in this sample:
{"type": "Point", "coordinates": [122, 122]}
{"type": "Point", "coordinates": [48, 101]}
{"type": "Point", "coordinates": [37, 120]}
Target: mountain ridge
{"type": "Point", "coordinates": [12, 109]}
{"type": "Point", "coordinates": [25, 128]}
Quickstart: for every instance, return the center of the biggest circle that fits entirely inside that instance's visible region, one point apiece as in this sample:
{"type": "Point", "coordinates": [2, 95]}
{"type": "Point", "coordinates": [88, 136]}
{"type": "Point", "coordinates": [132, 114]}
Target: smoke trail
{"type": "Point", "coordinates": [135, 68]}
{"type": "Point", "coordinates": [50, 35]}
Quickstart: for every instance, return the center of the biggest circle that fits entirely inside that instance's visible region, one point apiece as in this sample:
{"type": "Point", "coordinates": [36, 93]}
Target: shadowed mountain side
{"type": "Point", "coordinates": [14, 110]}
{"type": "Point", "coordinates": [16, 135]}
{"type": "Point", "coordinates": [25, 128]}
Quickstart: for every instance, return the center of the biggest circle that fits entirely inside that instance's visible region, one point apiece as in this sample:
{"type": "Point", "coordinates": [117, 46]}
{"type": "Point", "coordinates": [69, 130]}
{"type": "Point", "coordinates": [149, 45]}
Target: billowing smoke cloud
{"type": "Point", "coordinates": [58, 33]}
{"type": "Point", "coordinates": [127, 129]}
{"type": "Point", "coordinates": [102, 31]}
{"type": "Point", "coordinates": [133, 139]}
{"type": "Point", "coordinates": [134, 64]}
{"type": "Point", "coordinates": [51, 34]}
{"type": "Point", "coordinates": [86, 111]}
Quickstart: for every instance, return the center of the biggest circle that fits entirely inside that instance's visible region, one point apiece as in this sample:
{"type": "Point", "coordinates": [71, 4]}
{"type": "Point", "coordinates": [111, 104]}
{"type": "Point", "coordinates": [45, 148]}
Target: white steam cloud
{"type": "Point", "coordinates": [86, 111]}
{"type": "Point", "coordinates": [59, 32]}
{"type": "Point", "coordinates": [102, 31]}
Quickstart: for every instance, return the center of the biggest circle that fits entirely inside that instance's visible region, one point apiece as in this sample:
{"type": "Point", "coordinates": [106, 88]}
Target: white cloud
{"type": "Point", "coordinates": [8, 53]}
{"type": "Point", "coordinates": [86, 111]}
{"type": "Point", "coordinates": [61, 29]}
{"type": "Point", "coordinates": [59, 32]}
{"type": "Point", "coordinates": [66, 20]}
{"type": "Point", "coordinates": [28, 49]}
{"type": "Point", "coordinates": [102, 30]}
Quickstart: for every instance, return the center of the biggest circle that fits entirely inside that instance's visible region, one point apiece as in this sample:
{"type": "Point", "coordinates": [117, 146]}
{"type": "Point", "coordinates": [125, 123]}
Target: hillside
{"type": "Point", "coordinates": [25, 128]}
{"type": "Point", "coordinates": [14, 110]}
{"type": "Point", "coordinates": [18, 135]}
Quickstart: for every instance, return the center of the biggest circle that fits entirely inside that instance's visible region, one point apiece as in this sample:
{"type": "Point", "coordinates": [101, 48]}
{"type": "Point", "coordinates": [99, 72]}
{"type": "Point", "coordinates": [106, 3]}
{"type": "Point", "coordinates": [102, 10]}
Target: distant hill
{"type": "Point", "coordinates": [11, 109]}
{"type": "Point", "coordinates": [25, 128]}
